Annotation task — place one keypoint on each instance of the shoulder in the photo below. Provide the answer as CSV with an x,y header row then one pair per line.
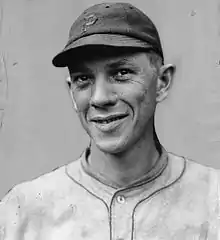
x,y
42,194
41,198
56,181
192,166
45,182
196,176
34,187
40,189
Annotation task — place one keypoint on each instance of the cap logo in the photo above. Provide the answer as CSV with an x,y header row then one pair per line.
x,y
89,20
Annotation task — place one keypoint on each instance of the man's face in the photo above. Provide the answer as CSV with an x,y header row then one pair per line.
x,y
115,96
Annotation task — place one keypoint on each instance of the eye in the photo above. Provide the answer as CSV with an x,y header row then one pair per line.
x,y
123,74
81,80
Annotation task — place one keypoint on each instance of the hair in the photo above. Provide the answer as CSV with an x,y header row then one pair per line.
x,y
155,59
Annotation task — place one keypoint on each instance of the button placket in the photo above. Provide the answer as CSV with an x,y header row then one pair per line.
x,y
120,220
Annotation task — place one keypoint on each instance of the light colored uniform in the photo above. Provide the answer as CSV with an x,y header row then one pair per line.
x,y
178,199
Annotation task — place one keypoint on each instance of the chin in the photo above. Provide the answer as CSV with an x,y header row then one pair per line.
x,y
112,146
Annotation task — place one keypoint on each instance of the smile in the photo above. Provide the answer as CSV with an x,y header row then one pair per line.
x,y
110,123
108,119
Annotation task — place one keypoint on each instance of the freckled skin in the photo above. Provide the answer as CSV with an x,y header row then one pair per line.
x,y
135,96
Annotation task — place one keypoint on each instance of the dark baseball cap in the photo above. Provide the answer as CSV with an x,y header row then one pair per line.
x,y
110,24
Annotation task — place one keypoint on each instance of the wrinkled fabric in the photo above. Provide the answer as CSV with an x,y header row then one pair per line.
x,y
179,201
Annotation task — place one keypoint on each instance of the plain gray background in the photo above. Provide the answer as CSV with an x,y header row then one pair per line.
x,y
40,130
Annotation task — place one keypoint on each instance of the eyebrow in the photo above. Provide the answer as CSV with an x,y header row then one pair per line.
x,y
112,65
79,68
119,63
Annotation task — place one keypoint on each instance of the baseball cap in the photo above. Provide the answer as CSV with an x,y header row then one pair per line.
x,y
110,24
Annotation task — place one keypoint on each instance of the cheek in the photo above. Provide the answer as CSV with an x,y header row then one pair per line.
x,y
82,99
147,91
139,94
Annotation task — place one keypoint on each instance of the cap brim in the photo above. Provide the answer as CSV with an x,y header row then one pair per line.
x,y
115,40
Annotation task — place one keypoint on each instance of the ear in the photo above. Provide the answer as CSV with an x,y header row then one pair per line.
x,y
69,84
164,81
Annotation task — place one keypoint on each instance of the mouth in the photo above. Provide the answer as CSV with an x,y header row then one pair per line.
x,y
109,119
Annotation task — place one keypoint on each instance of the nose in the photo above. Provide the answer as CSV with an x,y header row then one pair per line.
x,y
103,94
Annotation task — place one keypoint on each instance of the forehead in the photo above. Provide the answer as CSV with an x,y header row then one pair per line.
x,y
106,57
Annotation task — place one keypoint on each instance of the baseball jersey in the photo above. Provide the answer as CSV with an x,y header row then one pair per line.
x,y
178,199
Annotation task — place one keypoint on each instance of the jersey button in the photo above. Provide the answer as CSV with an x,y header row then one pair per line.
x,y
121,199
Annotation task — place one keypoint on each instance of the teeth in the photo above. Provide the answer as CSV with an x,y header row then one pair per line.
x,y
106,121
109,120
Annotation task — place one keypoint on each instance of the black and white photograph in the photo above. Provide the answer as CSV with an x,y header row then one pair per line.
x,y
109,120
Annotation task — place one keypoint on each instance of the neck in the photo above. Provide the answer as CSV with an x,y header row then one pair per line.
x,y
121,170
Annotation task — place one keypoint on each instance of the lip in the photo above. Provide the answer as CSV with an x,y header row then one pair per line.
x,y
108,126
107,118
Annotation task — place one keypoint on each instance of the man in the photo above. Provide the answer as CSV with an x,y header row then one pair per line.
x,y
125,185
